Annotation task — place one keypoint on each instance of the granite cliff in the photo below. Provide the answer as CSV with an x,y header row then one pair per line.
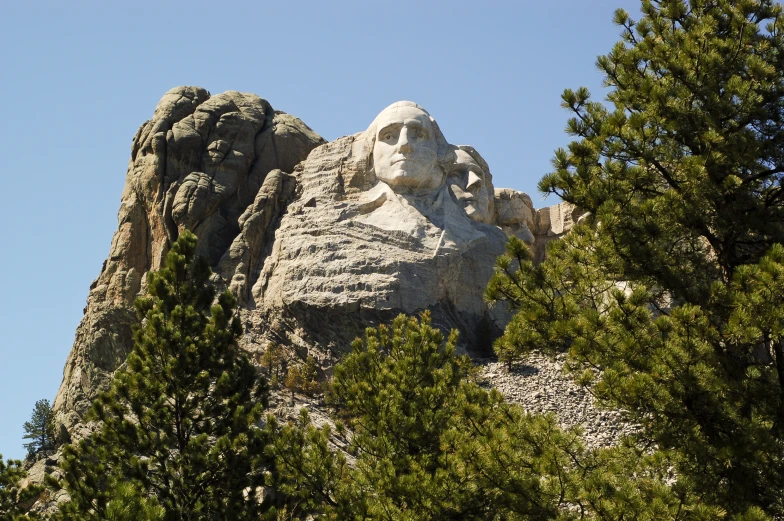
x,y
318,240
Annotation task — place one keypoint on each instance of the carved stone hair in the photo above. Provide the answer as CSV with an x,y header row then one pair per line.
x,y
446,154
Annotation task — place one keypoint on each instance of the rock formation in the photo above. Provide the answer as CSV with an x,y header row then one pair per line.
x,y
199,163
318,240
374,232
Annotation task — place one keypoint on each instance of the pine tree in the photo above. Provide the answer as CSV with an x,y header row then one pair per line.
x,y
40,429
14,499
429,443
179,420
310,377
274,361
668,297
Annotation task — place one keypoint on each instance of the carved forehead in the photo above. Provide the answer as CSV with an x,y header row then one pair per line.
x,y
398,114
464,158
477,157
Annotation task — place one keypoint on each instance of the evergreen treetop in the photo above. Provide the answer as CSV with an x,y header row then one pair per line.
x,y
668,296
40,429
179,420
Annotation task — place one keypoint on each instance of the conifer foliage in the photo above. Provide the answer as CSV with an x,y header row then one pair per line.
x,y
429,442
15,500
40,429
178,422
673,287
130,503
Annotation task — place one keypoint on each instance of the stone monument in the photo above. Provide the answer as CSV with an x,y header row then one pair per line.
x,y
377,230
318,240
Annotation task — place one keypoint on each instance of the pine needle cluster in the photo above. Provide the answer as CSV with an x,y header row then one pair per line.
x,y
16,499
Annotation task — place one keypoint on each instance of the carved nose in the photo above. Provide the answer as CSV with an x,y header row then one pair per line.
x,y
474,181
403,144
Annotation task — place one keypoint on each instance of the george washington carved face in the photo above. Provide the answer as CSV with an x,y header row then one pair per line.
x,y
405,151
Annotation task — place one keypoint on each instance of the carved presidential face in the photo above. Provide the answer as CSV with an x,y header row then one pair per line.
x,y
469,185
405,149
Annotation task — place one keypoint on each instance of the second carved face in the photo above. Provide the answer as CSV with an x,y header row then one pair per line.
x,y
405,150
468,183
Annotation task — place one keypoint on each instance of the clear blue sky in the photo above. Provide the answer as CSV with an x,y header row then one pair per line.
x,y
76,82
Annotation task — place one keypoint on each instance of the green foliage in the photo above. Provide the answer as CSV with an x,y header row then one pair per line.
x,y
540,294
129,503
669,296
274,361
308,472
303,377
40,429
15,500
429,443
178,422
627,482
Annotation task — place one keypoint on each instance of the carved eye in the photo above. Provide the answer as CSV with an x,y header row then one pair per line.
x,y
387,136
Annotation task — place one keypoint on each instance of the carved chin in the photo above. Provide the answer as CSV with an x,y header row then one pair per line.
x,y
474,214
409,178
394,173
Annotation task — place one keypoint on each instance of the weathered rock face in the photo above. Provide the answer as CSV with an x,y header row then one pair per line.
x,y
352,252
318,240
515,214
199,164
552,223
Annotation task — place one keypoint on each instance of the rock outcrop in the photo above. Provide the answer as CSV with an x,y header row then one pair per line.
x,y
516,216
552,223
199,163
351,253
318,240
